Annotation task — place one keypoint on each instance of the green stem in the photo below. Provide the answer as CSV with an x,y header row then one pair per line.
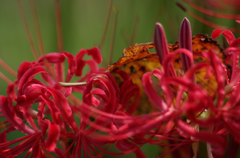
x,y
209,153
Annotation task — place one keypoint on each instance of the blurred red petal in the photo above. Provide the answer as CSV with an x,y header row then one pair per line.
x,y
53,58
5,104
53,136
211,138
66,111
227,34
30,73
152,93
71,65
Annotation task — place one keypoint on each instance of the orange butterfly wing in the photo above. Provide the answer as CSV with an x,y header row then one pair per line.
x,y
137,60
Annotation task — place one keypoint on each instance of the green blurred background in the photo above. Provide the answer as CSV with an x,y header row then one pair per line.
x,y
83,24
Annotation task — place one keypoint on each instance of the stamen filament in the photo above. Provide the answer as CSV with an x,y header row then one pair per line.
x,y
59,67
59,25
211,13
106,24
113,34
27,30
2,76
6,67
37,27
207,22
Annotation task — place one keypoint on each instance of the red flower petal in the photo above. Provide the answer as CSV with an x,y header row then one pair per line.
x,y
28,75
71,66
94,52
23,68
53,136
5,104
53,58
211,138
66,111
152,93
227,34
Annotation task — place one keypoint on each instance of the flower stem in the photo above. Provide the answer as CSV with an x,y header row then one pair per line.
x,y
209,153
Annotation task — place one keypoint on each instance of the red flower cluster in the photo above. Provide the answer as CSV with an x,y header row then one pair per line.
x,y
55,121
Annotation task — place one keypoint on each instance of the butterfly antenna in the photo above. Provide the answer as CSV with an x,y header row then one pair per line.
x,y
134,30
113,34
110,2
207,22
37,27
27,30
124,34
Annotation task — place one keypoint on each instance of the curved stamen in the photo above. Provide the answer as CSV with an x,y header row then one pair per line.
x,y
2,76
6,67
37,27
207,22
211,13
27,30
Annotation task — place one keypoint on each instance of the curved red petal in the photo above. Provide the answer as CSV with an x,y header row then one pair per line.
x,y
53,58
53,136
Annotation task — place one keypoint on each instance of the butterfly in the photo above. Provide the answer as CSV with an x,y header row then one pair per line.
x,y
138,60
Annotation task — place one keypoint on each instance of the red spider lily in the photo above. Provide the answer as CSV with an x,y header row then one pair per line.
x,y
32,91
198,100
168,120
230,109
106,114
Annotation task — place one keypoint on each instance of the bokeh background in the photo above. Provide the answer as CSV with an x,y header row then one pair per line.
x,y
83,23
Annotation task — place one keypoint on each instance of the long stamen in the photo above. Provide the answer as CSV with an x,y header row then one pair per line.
x,y
134,30
207,22
113,34
59,67
27,30
211,13
2,76
110,2
37,27
6,67
59,25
